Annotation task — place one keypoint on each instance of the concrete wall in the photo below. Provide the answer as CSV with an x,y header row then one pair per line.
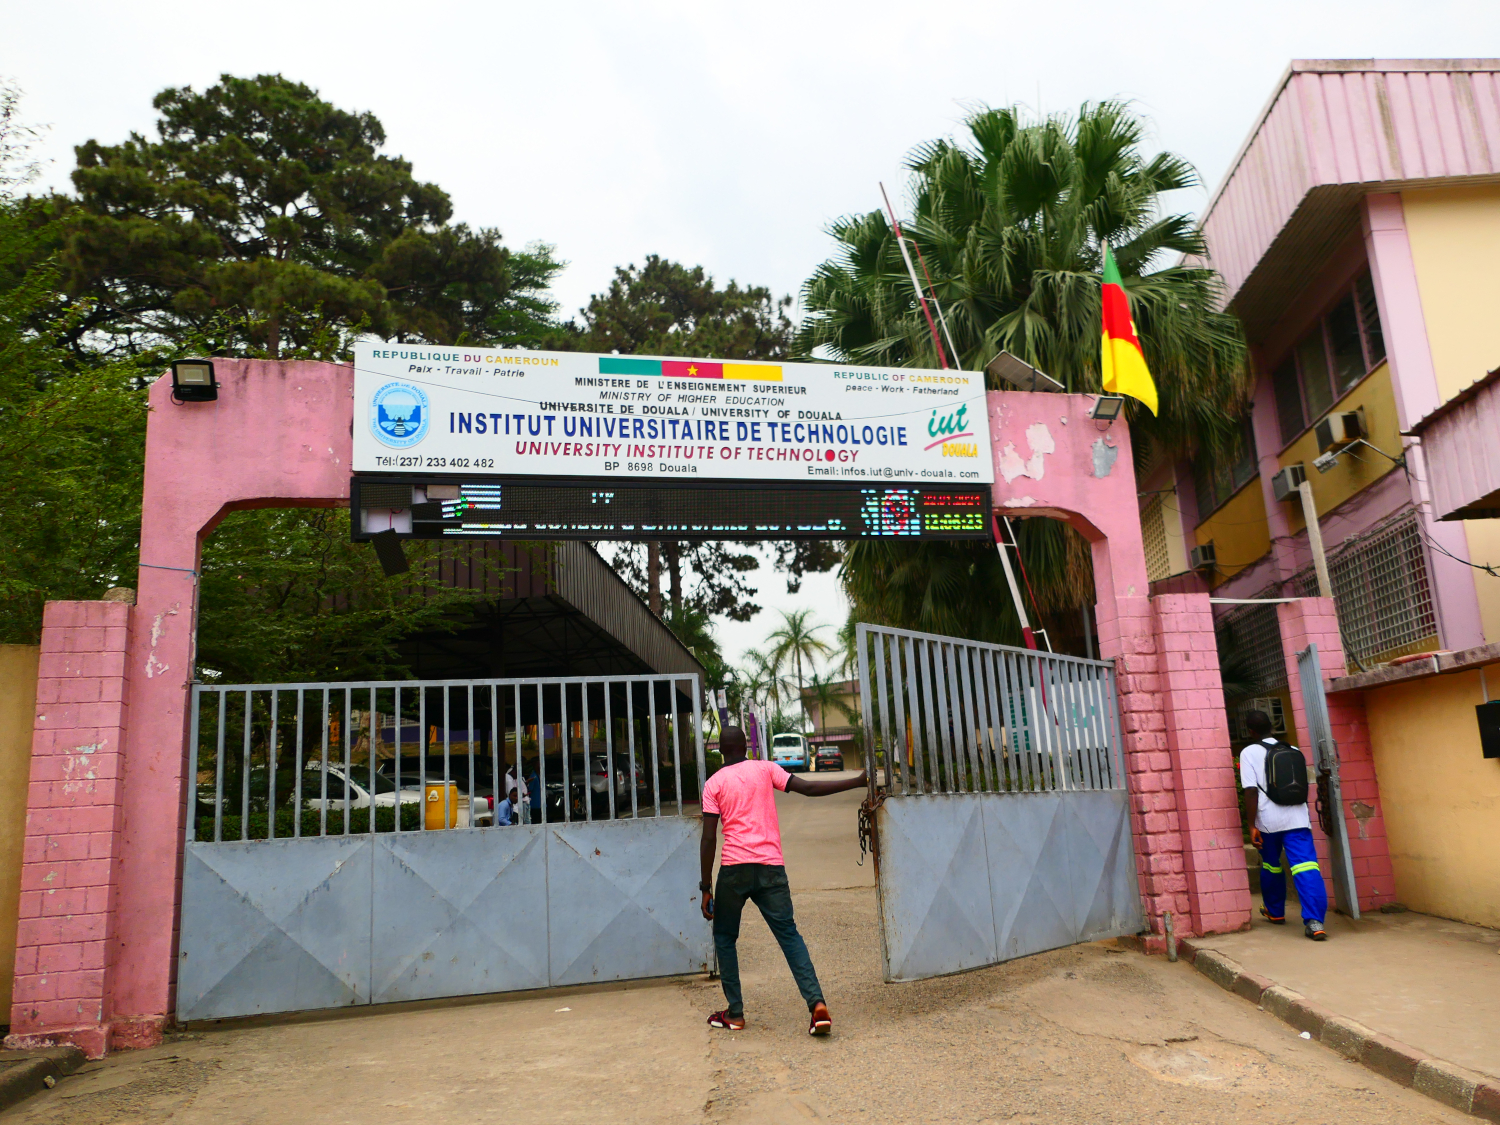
x,y
1441,796
17,712
1238,531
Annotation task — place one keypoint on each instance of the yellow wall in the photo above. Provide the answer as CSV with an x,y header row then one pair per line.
x,y
18,665
1359,468
1484,547
1455,244
1440,797
1239,531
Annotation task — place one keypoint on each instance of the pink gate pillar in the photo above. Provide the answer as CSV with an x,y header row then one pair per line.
x,y
1052,460
1308,621
279,436
66,950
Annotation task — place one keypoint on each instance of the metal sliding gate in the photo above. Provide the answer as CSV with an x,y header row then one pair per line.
x,y
341,849
1330,795
1004,828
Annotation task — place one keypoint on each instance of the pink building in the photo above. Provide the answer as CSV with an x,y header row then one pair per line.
x,y
1357,232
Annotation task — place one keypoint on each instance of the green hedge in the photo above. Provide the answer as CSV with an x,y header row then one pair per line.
x,y
359,822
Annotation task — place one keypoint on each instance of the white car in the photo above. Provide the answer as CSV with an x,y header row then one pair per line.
x,y
385,795
789,751
358,789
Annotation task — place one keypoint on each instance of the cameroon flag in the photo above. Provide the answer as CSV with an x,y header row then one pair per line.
x,y
1122,364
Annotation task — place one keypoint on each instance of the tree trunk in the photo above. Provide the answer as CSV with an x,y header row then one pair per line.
x,y
673,552
273,338
653,576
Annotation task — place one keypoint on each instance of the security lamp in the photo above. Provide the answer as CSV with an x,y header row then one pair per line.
x,y
1107,408
1326,461
193,381
1020,374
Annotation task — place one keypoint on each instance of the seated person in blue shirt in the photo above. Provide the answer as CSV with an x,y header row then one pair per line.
x,y
506,813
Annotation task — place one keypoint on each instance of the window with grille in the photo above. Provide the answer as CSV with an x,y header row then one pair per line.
x,y
1381,592
1339,350
1154,533
1251,661
1216,481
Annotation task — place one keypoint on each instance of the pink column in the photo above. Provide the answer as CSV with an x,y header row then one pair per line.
x,y
1127,636
66,948
278,436
1052,459
1414,381
1312,621
1207,797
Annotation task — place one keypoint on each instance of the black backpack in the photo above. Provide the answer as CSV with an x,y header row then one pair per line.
x,y
1286,774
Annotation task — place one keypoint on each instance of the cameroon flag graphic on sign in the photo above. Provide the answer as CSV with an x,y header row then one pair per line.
x,y
1122,363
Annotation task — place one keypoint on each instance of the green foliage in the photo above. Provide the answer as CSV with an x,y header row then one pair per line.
x,y
286,595
359,822
71,446
268,221
665,308
959,589
1011,227
796,643
1010,224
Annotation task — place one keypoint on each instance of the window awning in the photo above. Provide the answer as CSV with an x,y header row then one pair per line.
x,y
1459,440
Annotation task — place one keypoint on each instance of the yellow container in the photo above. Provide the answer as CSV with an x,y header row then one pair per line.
x,y
432,816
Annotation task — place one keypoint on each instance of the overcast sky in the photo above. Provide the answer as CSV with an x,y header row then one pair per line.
x,y
722,134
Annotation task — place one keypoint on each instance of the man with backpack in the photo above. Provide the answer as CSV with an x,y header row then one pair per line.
x,y
1274,778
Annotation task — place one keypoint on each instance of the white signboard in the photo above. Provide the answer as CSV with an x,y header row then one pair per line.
x,y
573,414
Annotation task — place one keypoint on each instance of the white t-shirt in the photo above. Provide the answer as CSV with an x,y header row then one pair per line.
x,y
518,784
1269,816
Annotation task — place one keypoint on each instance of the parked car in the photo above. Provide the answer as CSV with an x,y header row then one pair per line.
x,y
357,788
828,758
789,751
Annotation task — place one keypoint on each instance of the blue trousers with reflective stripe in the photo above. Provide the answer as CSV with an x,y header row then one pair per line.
x,y
1294,849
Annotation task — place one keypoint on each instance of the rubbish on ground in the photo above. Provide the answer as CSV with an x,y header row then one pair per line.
x,y
562,1009
1307,1035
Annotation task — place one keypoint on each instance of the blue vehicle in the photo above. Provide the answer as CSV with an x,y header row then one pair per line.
x,y
789,751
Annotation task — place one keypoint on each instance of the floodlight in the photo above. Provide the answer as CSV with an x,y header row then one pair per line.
x,y
1326,461
1020,374
1107,408
193,381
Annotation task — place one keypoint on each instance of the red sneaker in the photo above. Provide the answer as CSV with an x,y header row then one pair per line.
x,y
822,1022
726,1021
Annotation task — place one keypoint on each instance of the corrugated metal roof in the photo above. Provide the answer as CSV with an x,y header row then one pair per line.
x,y
548,579
1332,131
1459,440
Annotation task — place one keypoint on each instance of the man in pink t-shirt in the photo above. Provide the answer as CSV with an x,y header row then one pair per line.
x,y
741,797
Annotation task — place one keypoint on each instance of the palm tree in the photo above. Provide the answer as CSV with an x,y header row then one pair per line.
x,y
1011,225
797,641
825,690
762,680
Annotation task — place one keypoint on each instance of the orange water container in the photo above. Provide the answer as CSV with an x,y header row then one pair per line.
x,y
432,816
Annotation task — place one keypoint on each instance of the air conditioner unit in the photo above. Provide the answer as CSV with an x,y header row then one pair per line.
x,y
1203,557
1285,483
1340,429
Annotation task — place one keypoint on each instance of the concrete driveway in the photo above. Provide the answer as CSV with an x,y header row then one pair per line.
x,y
1089,1034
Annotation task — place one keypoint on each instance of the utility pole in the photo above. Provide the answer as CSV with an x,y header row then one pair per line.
x,y
1315,539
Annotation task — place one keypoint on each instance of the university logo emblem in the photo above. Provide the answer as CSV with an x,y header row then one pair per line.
x,y
398,415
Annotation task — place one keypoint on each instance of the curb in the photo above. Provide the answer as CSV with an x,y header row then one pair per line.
x,y
23,1073
1454,1086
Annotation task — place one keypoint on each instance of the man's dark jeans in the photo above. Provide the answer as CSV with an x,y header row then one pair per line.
x,y
766,887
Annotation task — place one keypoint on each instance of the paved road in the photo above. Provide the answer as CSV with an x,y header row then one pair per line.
x,y
1079,1035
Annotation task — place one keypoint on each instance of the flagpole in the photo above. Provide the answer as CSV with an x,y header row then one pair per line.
x,y
916,285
